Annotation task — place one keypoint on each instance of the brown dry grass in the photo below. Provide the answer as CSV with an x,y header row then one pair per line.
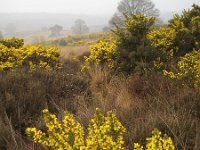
x,y
75,51
140,102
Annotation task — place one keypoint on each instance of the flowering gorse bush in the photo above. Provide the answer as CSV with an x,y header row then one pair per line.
x,y
66,136
188,69
104,132
162,41
15,55
129,50
103,53
181,36
133,48
156,142
12,42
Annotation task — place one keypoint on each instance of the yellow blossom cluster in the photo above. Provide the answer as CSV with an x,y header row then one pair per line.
x,y
103,53
189,69
163,40
12,42
15,55
104,133
156,142
66,136
139,22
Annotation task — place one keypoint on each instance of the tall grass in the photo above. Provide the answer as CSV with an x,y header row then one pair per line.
x,y
141,103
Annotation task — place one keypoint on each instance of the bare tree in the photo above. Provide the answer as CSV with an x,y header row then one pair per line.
x,y
55,30
1,36
130,7
80,27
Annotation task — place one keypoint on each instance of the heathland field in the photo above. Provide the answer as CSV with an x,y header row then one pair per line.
x,y
136,86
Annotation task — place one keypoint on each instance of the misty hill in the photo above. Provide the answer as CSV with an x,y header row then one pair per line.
x,y
37,21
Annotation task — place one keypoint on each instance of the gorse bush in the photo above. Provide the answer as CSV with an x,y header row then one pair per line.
x,y
181,36
179,43
103,53
12,42
163,42
139,47
156,142
104,133
14,55
131,49
66,136
188,69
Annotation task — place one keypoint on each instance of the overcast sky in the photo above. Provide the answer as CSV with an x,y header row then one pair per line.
x,y
84,6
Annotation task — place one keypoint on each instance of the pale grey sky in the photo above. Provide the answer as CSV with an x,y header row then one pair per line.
x,y
84,6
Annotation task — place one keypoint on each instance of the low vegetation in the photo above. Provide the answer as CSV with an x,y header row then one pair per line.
x,y
143,80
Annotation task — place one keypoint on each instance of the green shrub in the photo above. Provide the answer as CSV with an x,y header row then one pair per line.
x,y
133,50
182,34
130,51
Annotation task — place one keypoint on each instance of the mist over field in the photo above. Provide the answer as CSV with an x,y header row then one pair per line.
x,y
37,21
100,75
31,17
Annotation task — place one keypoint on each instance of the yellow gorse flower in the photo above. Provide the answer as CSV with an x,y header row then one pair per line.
x,y
14,55
103,53
104,132
156,142
188,69
66,136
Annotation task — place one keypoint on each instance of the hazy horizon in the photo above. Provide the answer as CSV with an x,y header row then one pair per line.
x,y
87,7
34,15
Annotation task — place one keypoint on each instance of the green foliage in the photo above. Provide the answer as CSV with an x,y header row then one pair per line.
x,y
139,48
188,69
182,34
187,27
133,48
131,51
104,132
13,55
156,142
12,42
